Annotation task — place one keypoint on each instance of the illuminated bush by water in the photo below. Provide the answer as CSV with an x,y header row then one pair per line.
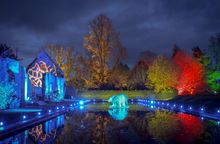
x,y
7,93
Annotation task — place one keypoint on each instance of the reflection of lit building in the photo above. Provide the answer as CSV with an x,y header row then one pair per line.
x,y
47,132
46,77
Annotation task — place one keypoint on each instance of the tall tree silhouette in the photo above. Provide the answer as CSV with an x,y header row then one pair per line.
x,y
100,43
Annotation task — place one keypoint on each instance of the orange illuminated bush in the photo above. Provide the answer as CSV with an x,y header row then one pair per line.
x,y
191,80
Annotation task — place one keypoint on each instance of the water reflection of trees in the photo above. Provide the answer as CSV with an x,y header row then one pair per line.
x,y
99,131
163,126
74,129
140,123
158,127
191,128
166,127
84,128
194,130
210,135
182,128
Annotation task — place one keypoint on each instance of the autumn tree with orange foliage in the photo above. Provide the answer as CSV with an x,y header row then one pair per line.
x,y
137,77
191,79
100,43
119,76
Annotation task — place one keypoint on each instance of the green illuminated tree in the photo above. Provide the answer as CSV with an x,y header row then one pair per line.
x,y
213,80
212,76
214,51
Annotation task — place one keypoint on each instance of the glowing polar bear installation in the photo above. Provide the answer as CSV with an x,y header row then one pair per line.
x,y
119,101
119,108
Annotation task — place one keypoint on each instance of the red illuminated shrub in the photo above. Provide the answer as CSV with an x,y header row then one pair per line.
x,y
191,80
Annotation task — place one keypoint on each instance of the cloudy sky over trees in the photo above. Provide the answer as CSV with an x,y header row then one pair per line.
x,y
143,25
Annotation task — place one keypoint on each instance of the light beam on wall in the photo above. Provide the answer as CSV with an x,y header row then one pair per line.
x,y
36,72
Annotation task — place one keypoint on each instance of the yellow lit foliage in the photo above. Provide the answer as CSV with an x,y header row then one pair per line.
x,y
83,77
99,43
69,66
65,59
119,76
58,53
162,75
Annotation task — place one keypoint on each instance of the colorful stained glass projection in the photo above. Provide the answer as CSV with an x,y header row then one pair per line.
x,y
36,72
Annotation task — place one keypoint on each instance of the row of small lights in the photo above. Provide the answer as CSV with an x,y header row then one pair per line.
x,y
24,117
202,109
155,107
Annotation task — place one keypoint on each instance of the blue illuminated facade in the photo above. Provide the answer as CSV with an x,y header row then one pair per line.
x,y
47,79
12,73
41,80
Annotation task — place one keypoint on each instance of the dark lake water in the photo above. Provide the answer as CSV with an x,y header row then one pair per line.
x,y
95,123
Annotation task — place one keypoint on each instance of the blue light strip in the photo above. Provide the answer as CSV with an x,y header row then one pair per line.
x,y
181,108
26,119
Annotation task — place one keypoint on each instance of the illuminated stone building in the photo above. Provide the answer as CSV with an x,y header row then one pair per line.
x,y
43,80
11,78
46,78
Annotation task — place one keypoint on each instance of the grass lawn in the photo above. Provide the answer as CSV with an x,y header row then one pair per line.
x,y
133,94
105,107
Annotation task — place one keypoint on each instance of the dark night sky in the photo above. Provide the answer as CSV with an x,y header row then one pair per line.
x,y
153,25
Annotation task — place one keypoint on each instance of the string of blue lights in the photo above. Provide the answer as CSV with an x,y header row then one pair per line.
x,y
24,118
199,111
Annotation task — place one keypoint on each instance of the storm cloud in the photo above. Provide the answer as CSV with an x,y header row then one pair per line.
x,y
143,25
